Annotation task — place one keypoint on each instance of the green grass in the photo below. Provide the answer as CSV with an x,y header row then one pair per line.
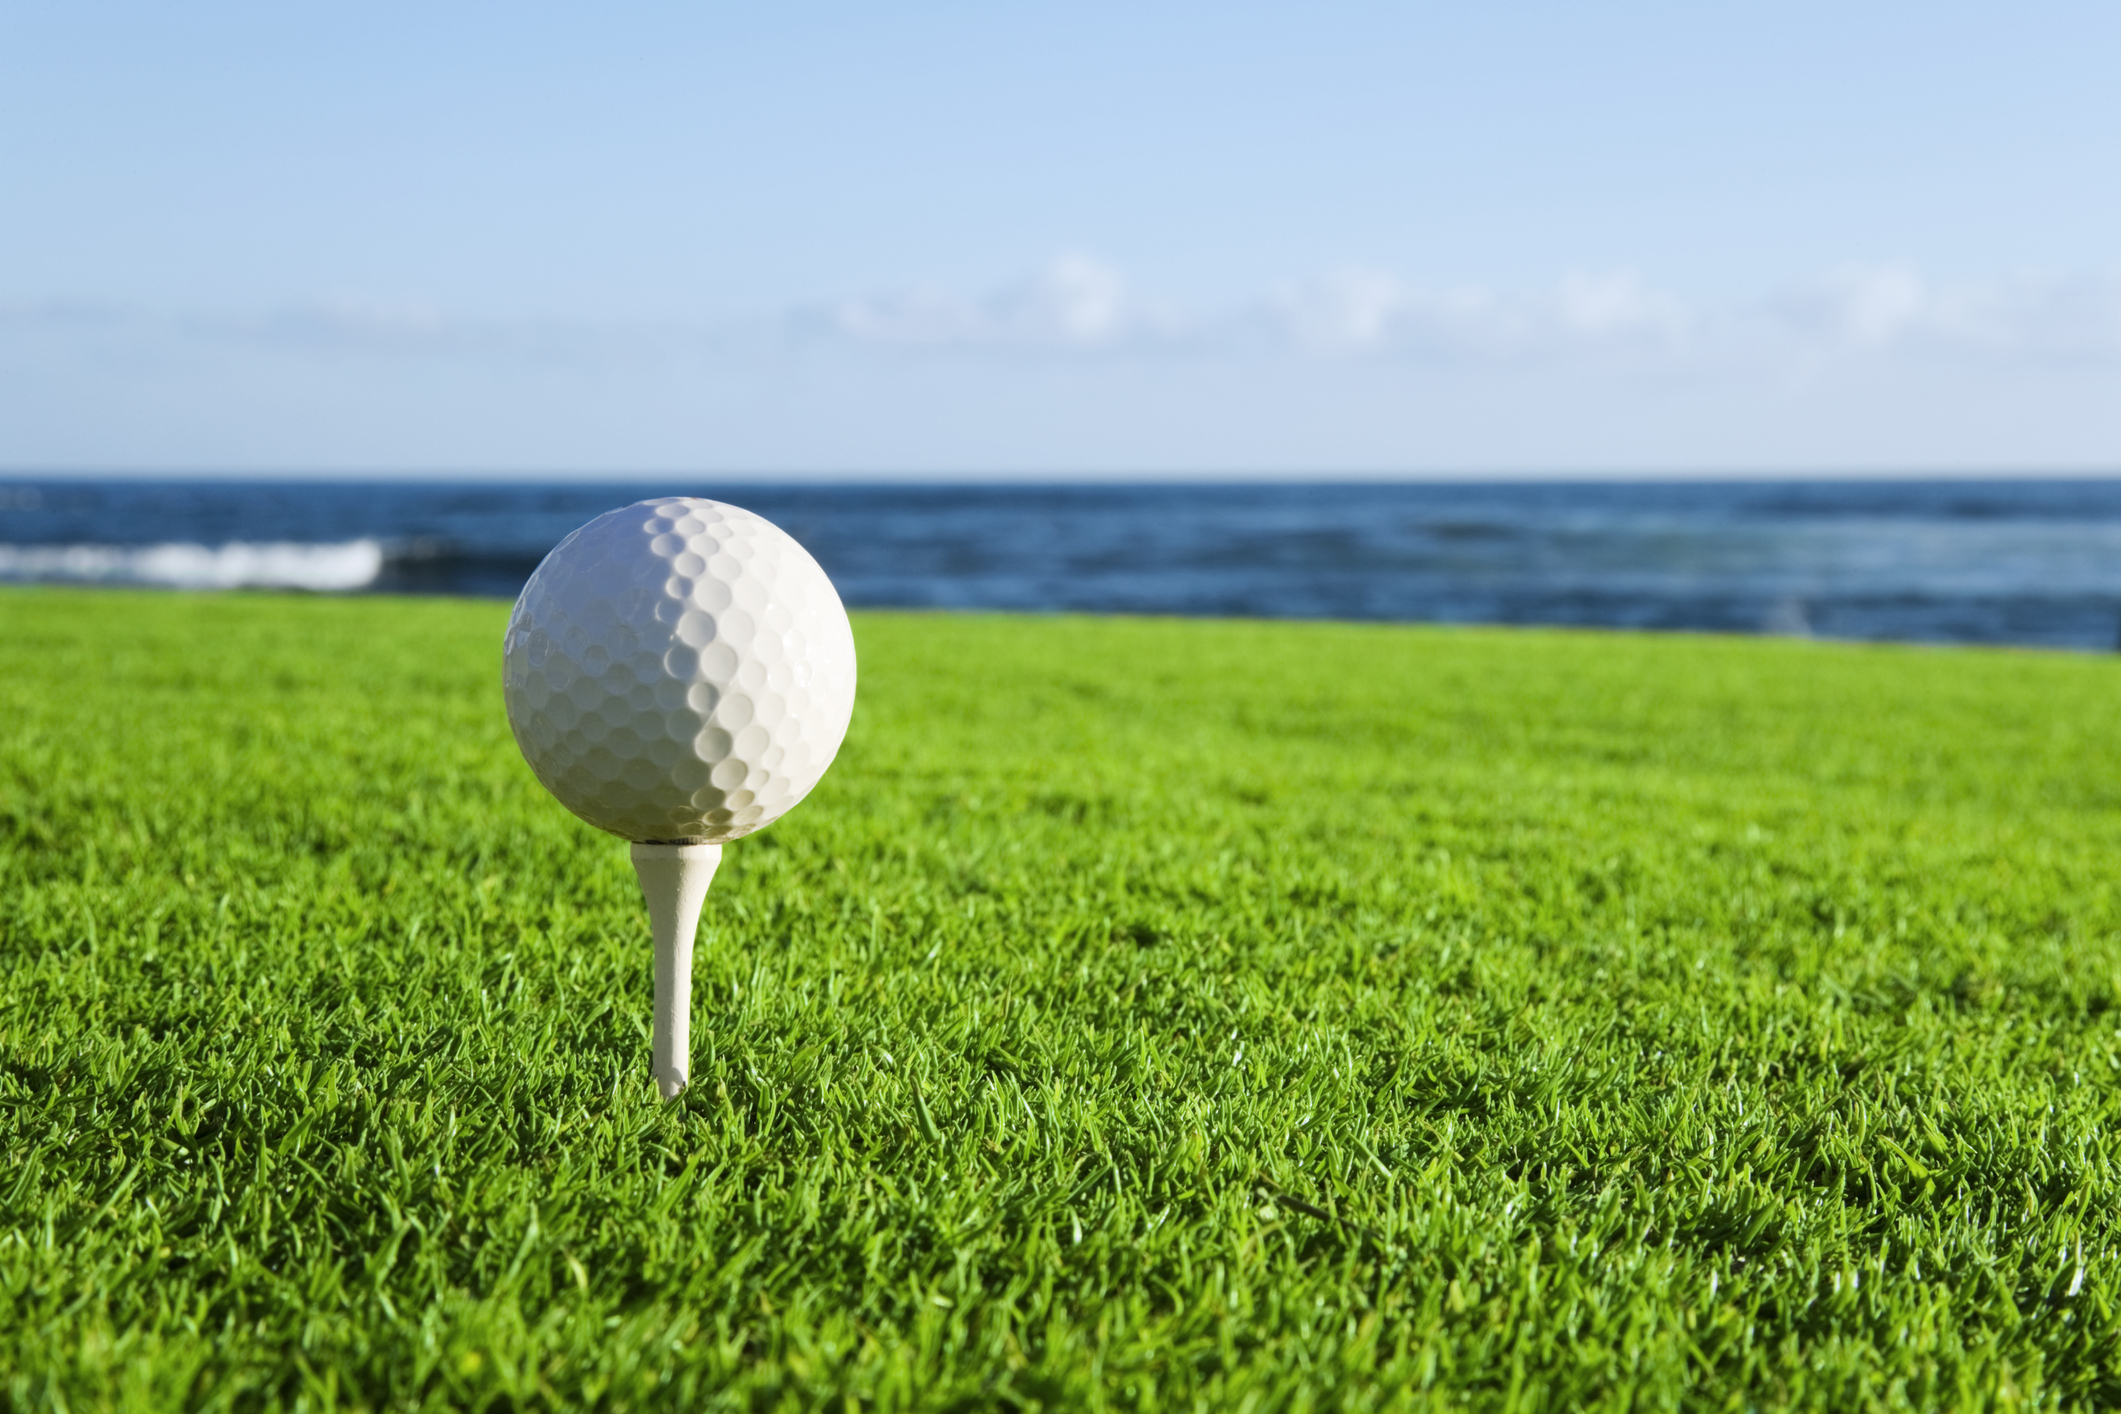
x,y
1141,1015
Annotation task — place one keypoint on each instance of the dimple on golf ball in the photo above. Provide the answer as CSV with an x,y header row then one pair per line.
x,y
679,670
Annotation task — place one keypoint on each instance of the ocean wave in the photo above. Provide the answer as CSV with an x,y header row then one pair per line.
x,y
349,565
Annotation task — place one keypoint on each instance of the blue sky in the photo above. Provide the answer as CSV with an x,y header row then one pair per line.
x,y
1028,238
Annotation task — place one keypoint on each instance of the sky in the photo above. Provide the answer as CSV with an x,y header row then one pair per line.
x,y
1042,239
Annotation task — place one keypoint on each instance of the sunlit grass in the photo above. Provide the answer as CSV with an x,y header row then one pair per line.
x,y
1142,1014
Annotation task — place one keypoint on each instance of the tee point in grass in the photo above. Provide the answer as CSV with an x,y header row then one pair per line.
x,y
678,672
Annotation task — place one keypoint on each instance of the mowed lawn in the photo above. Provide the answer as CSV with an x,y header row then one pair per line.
x,y
1142,1014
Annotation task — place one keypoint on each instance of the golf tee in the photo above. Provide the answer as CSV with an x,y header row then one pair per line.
x,y
674,880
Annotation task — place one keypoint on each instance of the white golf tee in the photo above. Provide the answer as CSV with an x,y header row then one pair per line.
x,y
674,880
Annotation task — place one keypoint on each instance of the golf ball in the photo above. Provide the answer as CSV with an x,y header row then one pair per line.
x,y
679,670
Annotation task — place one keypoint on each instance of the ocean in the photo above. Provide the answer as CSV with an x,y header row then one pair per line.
x,y
2034,562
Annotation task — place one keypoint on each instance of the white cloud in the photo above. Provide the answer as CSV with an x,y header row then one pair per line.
x,y
1073,303
1369,312
1074,300
1884,310
1896,308
1348,311
1618,304
1074,368
1080,307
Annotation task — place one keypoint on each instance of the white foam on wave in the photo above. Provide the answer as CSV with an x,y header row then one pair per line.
x,y
352,564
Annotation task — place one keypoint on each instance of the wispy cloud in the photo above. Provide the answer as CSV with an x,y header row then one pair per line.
x,y
352,328
1073,303
1895,307
1079,307
1880,366
1370,312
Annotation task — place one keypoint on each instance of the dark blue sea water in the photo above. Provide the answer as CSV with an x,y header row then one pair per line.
x,y
2027,562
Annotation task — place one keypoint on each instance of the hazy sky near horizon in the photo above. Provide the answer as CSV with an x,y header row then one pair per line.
x,y
1036,238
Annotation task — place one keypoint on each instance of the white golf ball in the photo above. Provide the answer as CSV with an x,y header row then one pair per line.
x,y
679,670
